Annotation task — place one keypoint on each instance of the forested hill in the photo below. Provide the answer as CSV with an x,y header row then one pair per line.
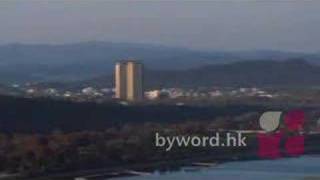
x,y
79,61
291,73
20,115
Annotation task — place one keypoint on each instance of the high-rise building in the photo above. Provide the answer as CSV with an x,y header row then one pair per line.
x,y
121,80
129,80
134,81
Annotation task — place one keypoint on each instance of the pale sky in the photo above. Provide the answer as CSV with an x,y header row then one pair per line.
x,y
207,25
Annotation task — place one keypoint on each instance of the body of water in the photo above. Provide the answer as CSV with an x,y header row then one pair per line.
x,y
301,168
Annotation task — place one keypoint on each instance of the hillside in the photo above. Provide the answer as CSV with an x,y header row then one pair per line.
x,y
67,62
293,73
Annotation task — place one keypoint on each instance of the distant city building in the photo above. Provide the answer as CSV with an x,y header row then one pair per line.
x,y
121,80
129,80
152,95
134,81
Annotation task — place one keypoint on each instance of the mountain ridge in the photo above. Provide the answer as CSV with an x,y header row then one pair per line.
x,y
79,61
291,73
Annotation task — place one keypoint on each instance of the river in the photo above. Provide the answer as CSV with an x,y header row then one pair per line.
x,y
301,168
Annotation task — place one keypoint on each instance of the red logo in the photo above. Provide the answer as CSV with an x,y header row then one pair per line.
x,y
278,133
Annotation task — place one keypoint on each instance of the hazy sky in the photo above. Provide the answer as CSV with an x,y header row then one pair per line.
x,y
213,25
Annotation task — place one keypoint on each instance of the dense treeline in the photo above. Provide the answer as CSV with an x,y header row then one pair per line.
x,y
43,136
125,146
36,154
46,116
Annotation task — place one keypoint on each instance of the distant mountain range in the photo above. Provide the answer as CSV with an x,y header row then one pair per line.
x,y
291,73
76,62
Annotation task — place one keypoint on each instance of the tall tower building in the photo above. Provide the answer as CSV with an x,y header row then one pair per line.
x,y
121,80
129,80
134,81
